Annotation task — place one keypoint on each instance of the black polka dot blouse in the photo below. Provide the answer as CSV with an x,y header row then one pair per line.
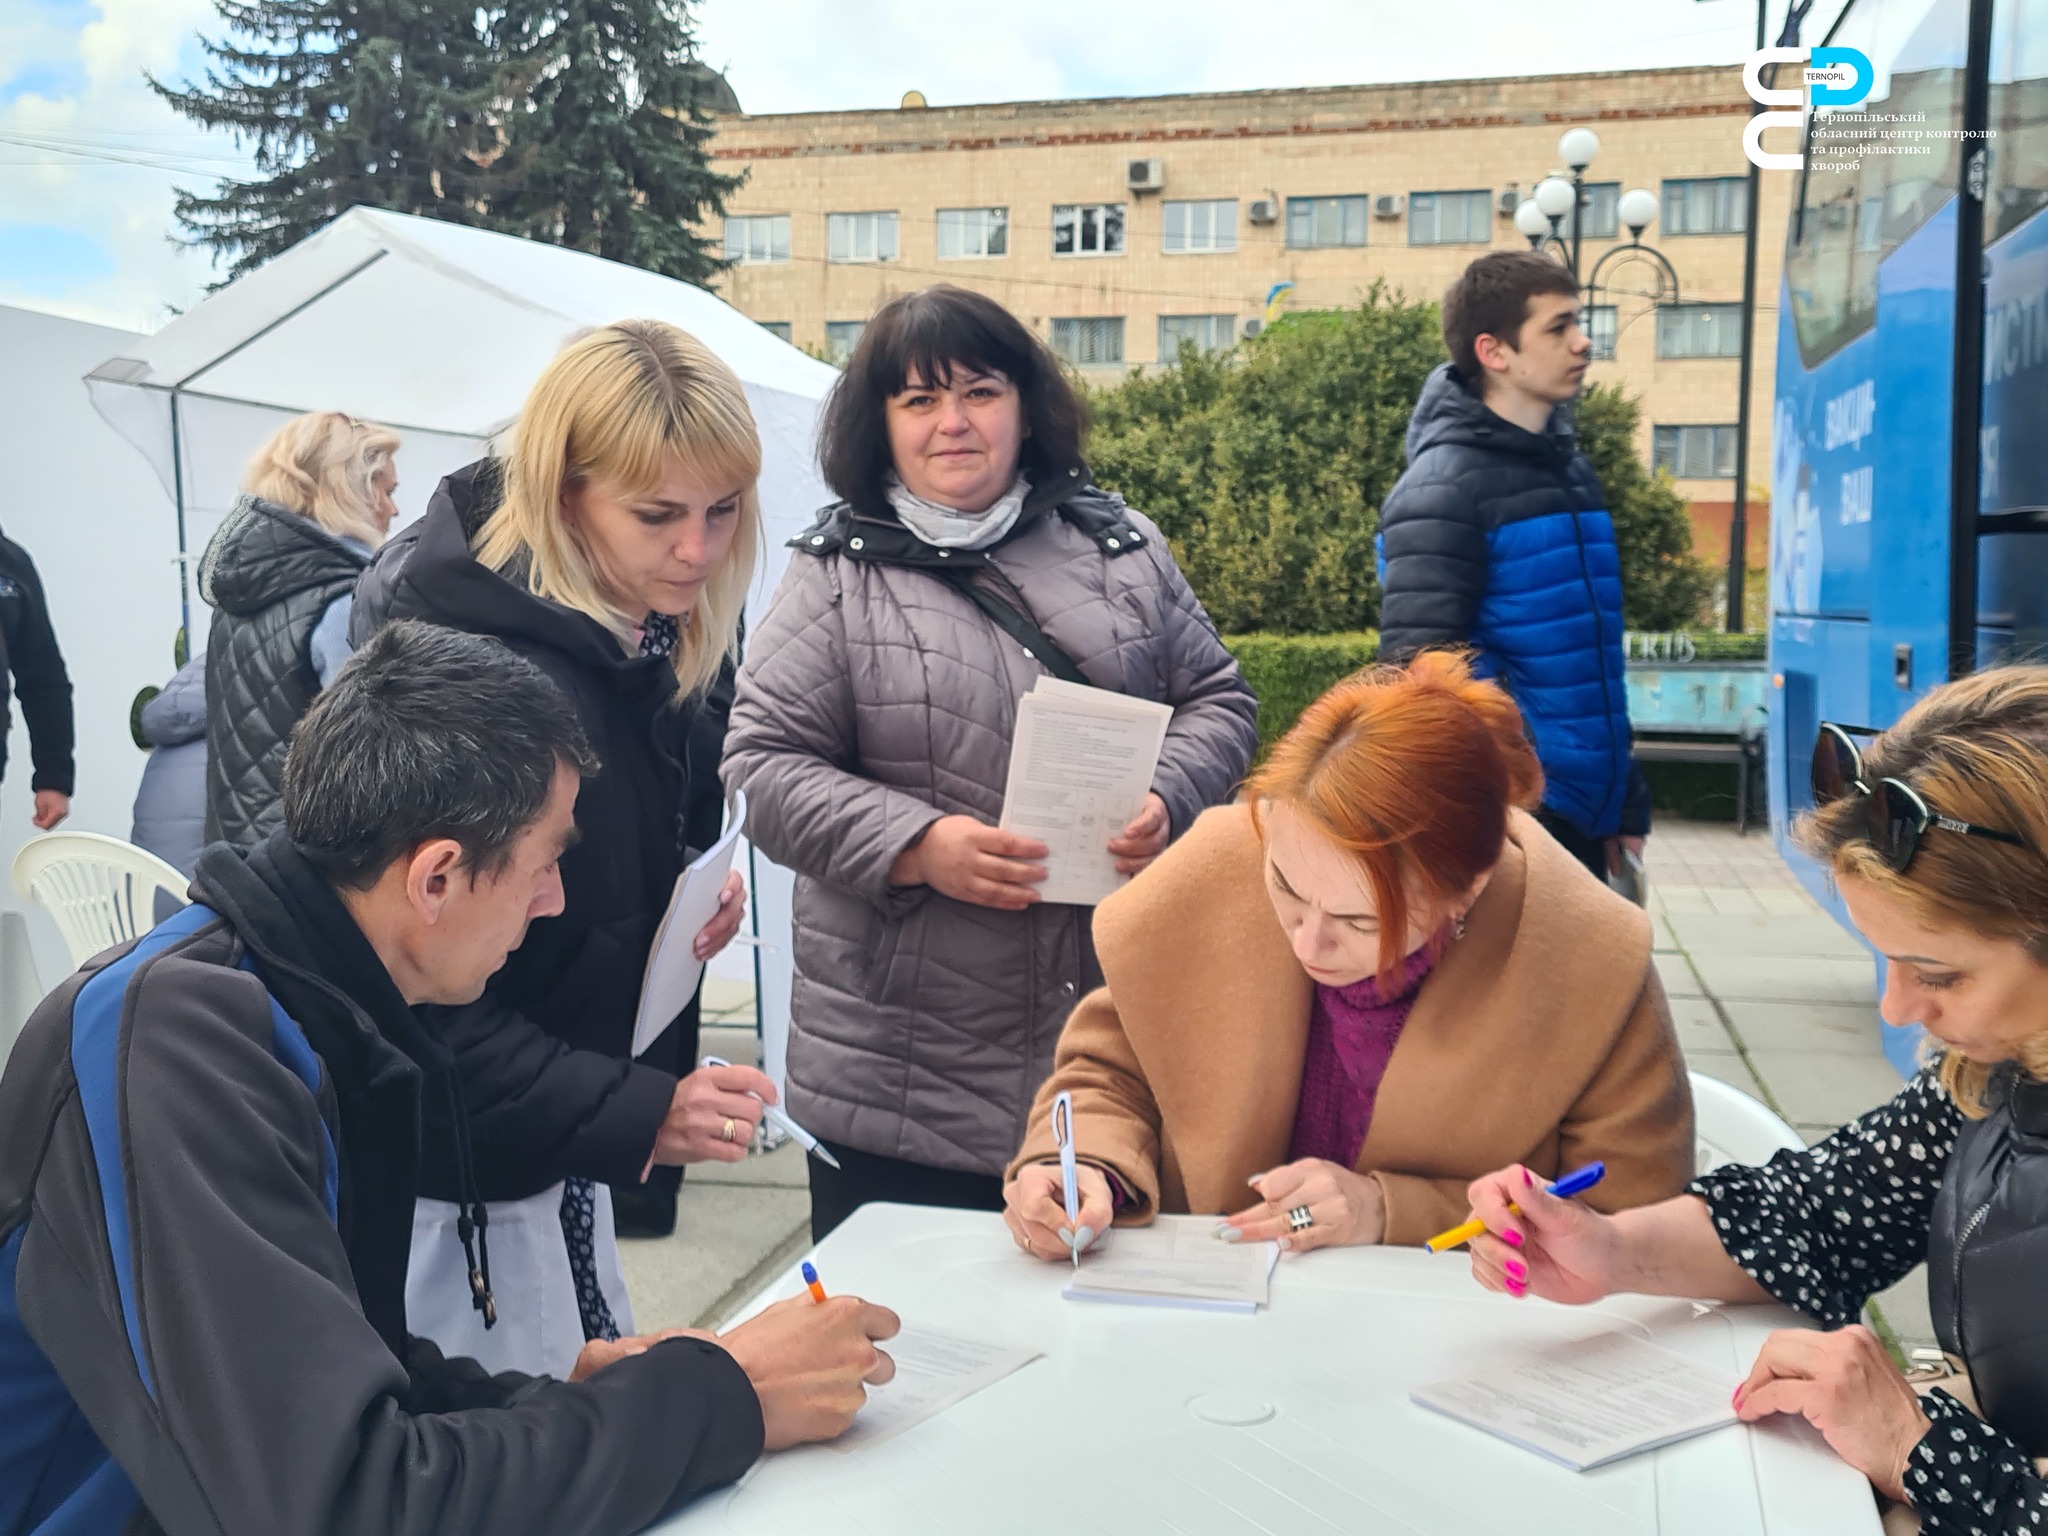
x,y
1824,1229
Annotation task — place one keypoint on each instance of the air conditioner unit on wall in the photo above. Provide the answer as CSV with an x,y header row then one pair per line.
x,y
1263,210
1388,205
1145,175
1252,327
1509,201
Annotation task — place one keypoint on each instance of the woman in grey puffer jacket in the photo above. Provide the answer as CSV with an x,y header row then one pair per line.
x,y
871,733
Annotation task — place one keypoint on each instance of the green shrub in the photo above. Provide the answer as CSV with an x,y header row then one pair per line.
x,y
1290,672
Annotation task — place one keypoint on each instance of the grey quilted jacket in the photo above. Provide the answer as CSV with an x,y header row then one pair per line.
x,y
269,574
875,699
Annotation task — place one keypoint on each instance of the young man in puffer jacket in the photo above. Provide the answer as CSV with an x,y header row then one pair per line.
x,y
1497,538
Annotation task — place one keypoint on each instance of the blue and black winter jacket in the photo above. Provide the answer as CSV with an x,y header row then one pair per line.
x,y
1499,538
208,1152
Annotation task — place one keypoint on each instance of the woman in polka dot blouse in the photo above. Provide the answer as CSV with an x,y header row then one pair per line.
x,y
1937,834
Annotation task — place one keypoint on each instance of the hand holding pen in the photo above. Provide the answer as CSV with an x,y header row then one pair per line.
x,y
1534,1241
1055,1210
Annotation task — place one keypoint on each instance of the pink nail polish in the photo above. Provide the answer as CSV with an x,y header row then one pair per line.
x,y
1516,1272
1528,1179
1517,1288
1736,1400
1512,1238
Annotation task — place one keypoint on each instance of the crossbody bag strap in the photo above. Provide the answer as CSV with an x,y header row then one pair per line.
x,y
1019,626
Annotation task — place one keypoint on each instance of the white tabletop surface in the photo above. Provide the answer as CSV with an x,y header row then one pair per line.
x,y
1099,1435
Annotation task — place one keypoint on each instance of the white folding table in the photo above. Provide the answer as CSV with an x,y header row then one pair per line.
x,y
1116,1428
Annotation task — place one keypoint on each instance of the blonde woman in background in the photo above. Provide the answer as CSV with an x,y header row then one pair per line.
x,y
611,545
315,504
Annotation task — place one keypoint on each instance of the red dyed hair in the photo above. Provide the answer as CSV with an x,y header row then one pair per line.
x,y
1412,770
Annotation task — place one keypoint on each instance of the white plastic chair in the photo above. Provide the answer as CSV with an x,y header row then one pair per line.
x,y
1731,1127
101,891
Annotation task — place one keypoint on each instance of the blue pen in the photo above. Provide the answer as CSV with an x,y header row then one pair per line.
x,y
1578,1181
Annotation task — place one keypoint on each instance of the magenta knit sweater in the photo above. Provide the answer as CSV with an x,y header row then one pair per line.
x,y
1351,1035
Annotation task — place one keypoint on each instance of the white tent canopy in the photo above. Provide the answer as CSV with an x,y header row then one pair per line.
x,y
438,331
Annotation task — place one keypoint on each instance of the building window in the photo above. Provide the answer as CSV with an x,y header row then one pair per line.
x,y
860,237
1699,330
1600,331
779,329
841,337
1205,226
1088,229
1450,218
965,232
1319,221
1091,343
1694,453
1208,333
755,239
1711,205
1602,210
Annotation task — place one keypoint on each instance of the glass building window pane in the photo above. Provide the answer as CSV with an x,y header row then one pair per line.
x,y
1450,218
973,232
1694,453
1207,333
1602,207
1710,205
1600,330
1088,229
860,237
1327,221
1699,330
1092,342
756,239
841,337
776,328
1199,226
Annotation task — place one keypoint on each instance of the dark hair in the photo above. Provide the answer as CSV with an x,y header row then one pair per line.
x,y
1491,298
928,334
426,732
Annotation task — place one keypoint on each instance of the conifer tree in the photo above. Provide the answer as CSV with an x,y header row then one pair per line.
x,y
388,103
609,137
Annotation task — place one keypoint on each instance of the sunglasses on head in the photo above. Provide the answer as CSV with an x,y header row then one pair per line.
x,y
1895,815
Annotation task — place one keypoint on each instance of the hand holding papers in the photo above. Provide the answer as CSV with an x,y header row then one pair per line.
x,y
1081,764
673,969
1177,1262
1591,1402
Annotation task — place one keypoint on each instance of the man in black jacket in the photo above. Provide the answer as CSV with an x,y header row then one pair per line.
x,y
207,1150
28,650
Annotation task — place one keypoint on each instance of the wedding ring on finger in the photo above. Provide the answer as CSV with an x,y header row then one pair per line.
x,y
727,1133
1299,1218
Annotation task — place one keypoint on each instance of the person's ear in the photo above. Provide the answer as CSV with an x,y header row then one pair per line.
x,y
1491,351
430,876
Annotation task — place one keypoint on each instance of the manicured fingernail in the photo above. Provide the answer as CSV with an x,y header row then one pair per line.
x,y
1286,1242
1084,1237
1517,1288
1517,1271
1254,1179
1528,1179
1736,1400
1066,1237
1511,1237
1229,1234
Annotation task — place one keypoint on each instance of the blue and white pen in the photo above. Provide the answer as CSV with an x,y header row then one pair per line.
x,y
782,1122
1063,1138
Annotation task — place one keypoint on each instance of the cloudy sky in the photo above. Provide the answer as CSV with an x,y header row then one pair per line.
x,y
89,158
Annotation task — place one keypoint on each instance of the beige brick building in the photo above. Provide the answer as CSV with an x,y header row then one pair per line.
x,y
1117,226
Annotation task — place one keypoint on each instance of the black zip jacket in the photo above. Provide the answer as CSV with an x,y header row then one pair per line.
x,y
28,650
543,1057
207,1142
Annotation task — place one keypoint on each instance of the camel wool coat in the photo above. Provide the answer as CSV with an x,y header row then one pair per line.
x,y
1541,1037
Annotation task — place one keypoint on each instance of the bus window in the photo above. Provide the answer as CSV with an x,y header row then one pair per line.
x,y
2019,115
1860,198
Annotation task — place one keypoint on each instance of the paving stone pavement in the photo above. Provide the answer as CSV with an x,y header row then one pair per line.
x,y
1771,994
1768,992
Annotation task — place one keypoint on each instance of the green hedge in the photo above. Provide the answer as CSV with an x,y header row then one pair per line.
x,y
1290,672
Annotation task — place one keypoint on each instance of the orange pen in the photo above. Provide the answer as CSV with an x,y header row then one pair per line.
x,y
811,1280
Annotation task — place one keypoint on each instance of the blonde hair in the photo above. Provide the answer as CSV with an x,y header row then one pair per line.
x,y
1976,750
321,466
615,404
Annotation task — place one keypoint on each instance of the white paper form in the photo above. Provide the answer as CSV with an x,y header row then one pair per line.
x,y
1178,1261
1081,764
1590,1402
673,969
934,1370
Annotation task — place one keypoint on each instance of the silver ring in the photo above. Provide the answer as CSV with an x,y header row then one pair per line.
x,y
1299,1218
726,1134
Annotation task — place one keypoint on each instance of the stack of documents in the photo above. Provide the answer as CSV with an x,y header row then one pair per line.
x,y
673,969
1178,1261
1081,765
1590,1402
934,1370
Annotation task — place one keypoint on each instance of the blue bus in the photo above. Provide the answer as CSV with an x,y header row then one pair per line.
x,y
1909,475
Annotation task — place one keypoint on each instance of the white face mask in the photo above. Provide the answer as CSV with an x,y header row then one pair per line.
x,y
945,527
